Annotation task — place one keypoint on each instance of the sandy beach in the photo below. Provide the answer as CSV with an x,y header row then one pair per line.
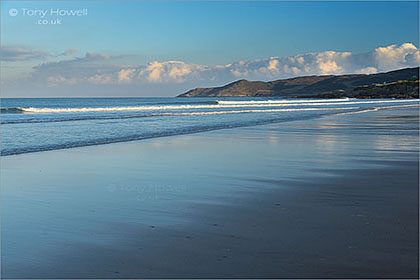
x,y
332,197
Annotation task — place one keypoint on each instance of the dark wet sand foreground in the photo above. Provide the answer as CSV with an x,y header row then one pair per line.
x,y
334,197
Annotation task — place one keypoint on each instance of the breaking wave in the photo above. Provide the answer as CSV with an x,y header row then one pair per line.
x,y
12,110
169,114
224,104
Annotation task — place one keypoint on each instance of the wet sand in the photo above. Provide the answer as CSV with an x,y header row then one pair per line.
x,y
335,197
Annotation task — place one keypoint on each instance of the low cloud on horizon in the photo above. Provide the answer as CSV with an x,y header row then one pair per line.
x,y
169,78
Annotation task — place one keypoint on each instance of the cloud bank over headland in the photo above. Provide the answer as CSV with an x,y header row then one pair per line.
x,y
96,69
90,69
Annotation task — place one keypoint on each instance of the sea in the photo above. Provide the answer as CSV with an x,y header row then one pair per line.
x,y
43,124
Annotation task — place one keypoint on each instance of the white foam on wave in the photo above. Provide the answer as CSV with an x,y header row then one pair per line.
x,y
157,114
377,109
255,111
280,101
216,106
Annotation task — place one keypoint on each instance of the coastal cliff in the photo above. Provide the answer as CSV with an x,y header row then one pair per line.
x,y
401,83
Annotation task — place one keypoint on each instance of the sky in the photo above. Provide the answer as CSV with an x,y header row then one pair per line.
x,y
164,48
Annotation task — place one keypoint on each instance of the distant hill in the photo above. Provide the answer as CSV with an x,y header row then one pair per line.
x,y
321,86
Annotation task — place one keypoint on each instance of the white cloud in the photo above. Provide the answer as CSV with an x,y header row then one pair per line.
x,y
169,71
98,69
273,65
331,62
126,75
367,70
395,56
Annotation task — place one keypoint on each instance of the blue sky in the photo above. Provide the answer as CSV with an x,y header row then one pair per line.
x,y
204,33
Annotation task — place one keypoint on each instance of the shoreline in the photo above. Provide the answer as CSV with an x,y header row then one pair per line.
x,y
307,198
115,141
